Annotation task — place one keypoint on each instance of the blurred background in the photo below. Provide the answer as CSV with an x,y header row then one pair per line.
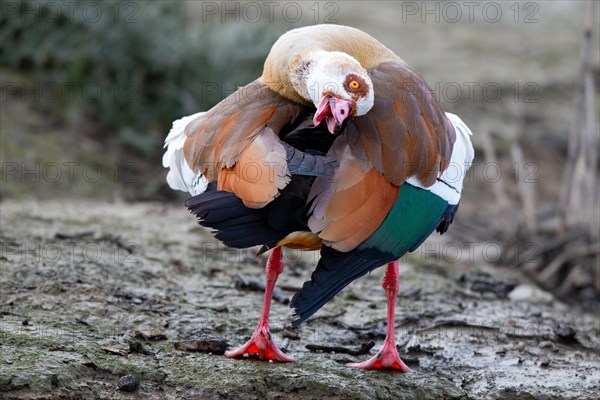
x,y
89,90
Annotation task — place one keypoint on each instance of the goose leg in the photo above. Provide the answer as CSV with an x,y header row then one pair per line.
x,y
387,357
261,343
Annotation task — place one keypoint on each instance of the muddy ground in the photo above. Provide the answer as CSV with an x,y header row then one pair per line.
x,y
92,292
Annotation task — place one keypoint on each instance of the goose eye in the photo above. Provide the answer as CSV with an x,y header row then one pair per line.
x,y
354,85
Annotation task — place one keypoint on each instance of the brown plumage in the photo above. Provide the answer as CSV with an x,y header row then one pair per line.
x,y
259,173
243,127
405,133
338,146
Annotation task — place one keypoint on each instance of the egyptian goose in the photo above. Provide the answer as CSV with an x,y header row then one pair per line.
x,y
338,146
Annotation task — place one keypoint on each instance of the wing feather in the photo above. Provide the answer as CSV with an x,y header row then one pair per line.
x,y
260,172
236,143
405,134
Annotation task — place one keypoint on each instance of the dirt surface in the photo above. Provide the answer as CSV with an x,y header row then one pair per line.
x,y
94,292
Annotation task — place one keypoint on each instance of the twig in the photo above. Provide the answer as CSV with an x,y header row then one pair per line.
x,y
333,316
590,141
290,288
364,349
557,242
2,313
490,159
560,261
456,324
575,164
525,190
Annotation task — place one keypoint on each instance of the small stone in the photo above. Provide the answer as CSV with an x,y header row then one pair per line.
x,y
205,345
129,383
486,284
115,351
530,294
137,347
565,332
150,336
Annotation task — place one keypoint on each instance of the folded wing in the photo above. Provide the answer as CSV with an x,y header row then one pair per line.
x,y
236,143
405,134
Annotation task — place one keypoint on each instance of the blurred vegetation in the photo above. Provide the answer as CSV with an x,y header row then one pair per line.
x,y
135,68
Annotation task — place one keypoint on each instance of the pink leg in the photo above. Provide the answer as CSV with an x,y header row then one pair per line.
x,y
261,343
388,357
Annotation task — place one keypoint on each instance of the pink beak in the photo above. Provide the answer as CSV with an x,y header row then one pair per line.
x,y
334,111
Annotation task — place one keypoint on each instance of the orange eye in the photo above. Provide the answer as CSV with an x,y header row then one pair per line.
x,y
354,85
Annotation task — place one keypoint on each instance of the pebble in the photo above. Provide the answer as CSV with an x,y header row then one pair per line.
x,y
530,294
565,332
212,345
129,383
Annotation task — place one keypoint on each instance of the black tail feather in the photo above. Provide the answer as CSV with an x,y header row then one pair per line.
x,y
334,272
447,219
235,224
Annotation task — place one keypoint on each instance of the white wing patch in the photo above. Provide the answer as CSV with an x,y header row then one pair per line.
x,y
449,185
181,176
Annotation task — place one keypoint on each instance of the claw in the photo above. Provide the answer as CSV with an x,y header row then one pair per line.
x,y
260,344
387,358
